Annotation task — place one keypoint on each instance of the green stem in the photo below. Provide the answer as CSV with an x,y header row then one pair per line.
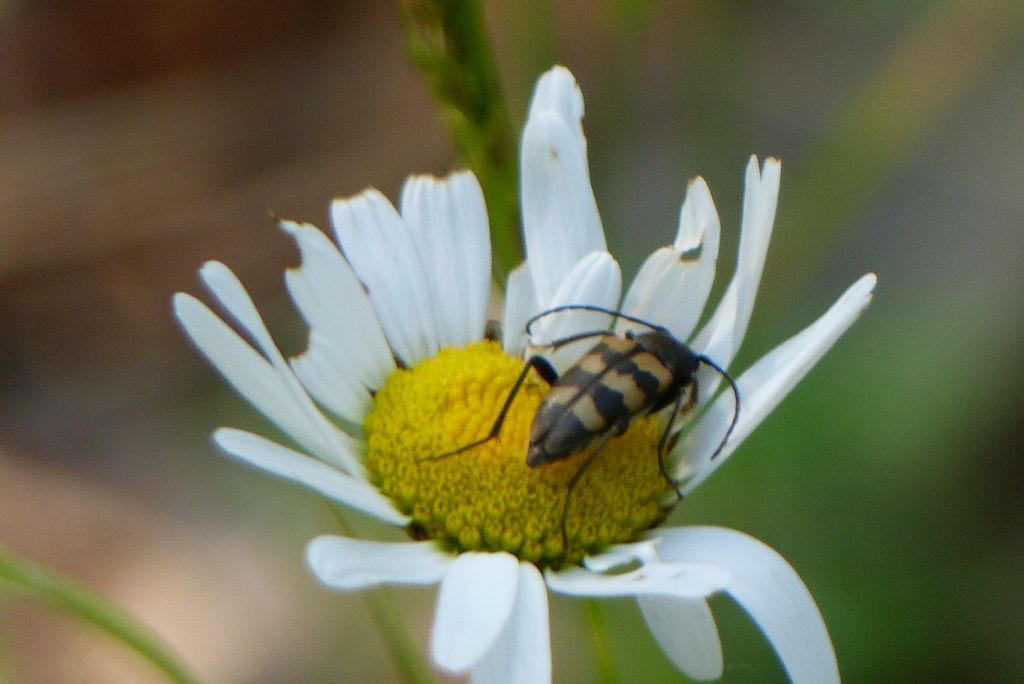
x,y
603,658
408,658
448,41
47,587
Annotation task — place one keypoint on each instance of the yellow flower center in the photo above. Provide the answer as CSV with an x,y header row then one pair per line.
x,y
487,498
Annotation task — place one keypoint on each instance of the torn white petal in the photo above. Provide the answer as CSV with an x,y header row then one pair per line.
x,y
672,285
334,304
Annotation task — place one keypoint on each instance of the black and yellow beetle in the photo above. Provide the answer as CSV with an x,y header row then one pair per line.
x,y
621,378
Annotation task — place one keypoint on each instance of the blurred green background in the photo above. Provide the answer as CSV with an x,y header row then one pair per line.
x,y
140,139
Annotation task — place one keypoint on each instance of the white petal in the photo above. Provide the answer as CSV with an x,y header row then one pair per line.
x,y
596,280
473,606
248,372
721,337
335,306
769,590
377,243
673,284
715,342
560,218
244,368
447,220
765,384
558,91
343,563
328,381
309,472
758,221
520,304
522,653
334,446
686,580
686,631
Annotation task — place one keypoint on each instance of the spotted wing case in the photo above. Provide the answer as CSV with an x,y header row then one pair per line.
x,y
610,385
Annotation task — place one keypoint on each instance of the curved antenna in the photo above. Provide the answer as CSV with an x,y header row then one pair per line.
x,y
589,307
735,392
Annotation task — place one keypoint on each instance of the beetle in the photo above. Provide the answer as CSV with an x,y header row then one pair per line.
x,y
620,378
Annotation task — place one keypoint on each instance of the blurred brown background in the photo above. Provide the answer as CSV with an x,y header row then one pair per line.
x,y
138,140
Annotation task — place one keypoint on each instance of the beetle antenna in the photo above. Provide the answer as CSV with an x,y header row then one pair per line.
x,y
735,392
589,307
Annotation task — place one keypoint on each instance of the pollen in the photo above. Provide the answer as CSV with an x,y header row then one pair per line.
x,y
486,498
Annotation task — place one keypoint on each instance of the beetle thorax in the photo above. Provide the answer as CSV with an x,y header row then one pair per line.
x,y
676,356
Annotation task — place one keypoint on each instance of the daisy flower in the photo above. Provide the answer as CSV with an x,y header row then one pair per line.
x,y
402,366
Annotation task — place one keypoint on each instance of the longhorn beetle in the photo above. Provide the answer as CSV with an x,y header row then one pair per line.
x,y
619,379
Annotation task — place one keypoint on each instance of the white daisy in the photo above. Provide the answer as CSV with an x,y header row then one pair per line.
x,y
398,370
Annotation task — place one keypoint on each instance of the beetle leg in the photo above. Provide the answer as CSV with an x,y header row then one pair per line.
x,y
678,409
613,431
544,370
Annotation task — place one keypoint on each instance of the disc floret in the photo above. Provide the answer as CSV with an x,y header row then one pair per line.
x,y
487,498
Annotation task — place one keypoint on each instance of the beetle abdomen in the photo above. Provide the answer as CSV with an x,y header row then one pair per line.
x,y
613,382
